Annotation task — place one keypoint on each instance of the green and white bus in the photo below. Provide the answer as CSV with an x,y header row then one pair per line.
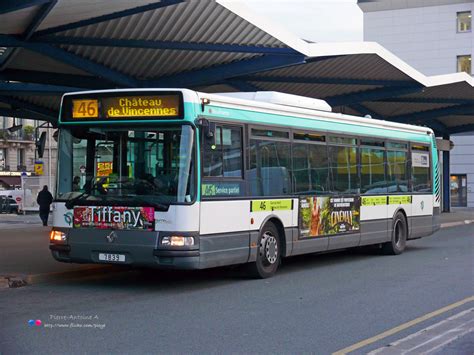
x,y
174,178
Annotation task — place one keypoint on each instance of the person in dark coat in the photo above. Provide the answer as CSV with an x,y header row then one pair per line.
x,y
44,200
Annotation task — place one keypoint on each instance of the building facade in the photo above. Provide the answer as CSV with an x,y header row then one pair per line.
x,y
18,151
435,37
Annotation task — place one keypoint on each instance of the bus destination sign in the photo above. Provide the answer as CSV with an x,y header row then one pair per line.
x,y
141,106
126,107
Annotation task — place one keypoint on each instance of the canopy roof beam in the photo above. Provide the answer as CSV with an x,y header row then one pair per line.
x,y
43,11
461,129
431,114
108,17
433,124
7,6
39,18
429,100
173,45
70,59
242,85
371,95
34,89
213,75
326,80
31,76
49,115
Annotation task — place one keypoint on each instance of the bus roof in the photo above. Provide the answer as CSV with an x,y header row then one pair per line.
x,y
242,102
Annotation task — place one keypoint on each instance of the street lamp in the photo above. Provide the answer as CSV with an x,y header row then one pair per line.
x,y
15,128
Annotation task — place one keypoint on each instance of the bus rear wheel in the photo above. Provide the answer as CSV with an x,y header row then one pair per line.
x,y
268,253
397,243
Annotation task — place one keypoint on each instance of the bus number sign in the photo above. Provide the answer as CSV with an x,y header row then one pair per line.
x,y
271,205
85,109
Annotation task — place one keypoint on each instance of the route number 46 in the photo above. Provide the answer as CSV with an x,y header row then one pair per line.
x,y
85,109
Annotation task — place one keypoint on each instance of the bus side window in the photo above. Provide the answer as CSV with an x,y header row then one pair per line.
x,y
372,171
344,175
310,168
421,172
224,159
269,168
397,171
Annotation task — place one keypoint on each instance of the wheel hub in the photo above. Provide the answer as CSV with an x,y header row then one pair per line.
x,y
269,248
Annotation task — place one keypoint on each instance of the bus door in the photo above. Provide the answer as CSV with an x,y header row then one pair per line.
x,y
373,189
343,206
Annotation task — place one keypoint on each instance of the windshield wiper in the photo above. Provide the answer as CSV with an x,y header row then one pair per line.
x,y
143,201
70,202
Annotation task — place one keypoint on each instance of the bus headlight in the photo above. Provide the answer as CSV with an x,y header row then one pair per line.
x,y
57,236
177,241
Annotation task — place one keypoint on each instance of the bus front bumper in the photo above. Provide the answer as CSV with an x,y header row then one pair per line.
x,y
145,250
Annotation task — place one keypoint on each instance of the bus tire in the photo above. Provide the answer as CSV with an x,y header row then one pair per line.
x,y
398,241
268,253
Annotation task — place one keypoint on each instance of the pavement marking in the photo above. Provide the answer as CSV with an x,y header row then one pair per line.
x,y
432,338
454,224
403,326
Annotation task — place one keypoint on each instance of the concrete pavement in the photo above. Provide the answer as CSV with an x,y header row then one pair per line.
x,y
457,216
24,247
435,272
12,221
315,304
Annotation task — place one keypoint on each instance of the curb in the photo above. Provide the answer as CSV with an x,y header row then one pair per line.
x,y
15,281
454,224
86,272
9,281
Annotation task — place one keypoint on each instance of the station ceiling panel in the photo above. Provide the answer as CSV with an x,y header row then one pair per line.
x,y
48,47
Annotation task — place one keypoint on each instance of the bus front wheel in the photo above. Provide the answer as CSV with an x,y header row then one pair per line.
x,y
268,253
397,243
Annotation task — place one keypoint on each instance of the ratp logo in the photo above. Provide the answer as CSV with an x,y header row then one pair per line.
x,y
422,205
33,322
68,218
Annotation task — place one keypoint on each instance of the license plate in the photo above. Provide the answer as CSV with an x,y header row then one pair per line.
x,y
112,257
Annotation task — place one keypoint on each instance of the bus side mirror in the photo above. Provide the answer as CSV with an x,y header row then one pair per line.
x,y
211,132
40,144
208,130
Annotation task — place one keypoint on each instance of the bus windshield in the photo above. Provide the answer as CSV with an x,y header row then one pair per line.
x,y
123,166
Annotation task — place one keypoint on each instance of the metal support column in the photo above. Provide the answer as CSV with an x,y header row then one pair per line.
x,y
446,180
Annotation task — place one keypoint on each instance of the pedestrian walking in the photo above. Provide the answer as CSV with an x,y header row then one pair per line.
x,y
44,200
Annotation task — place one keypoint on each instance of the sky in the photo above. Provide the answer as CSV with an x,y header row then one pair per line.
x,y
314,20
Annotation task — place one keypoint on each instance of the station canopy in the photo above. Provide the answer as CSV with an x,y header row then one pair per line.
x,y
49,47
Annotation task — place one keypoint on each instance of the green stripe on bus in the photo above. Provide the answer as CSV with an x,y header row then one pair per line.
x,y
399,200
270,205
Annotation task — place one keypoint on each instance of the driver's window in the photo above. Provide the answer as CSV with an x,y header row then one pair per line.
x,y
79,163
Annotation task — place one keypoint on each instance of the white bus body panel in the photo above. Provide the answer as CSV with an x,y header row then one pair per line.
x,y
182,218
235,216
